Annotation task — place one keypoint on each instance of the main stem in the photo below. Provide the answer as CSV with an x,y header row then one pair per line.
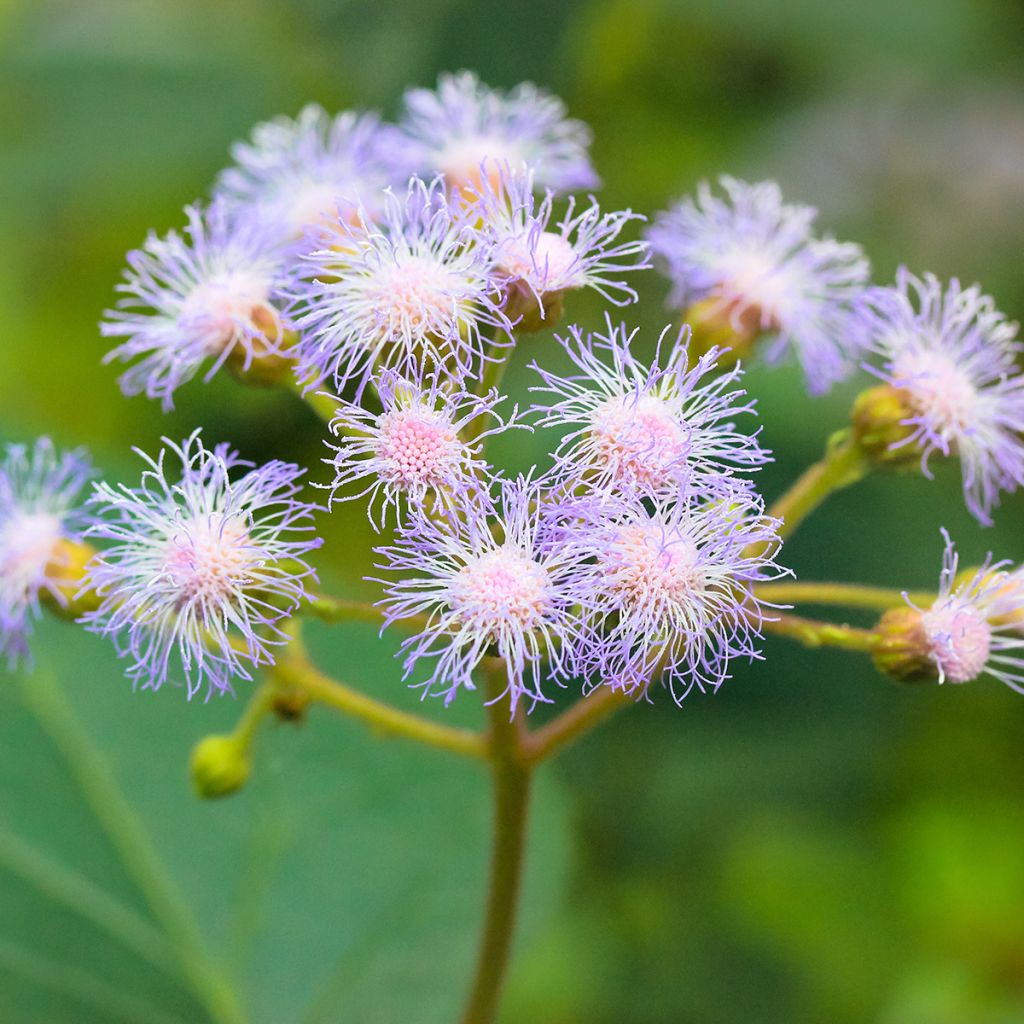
x,y
511,780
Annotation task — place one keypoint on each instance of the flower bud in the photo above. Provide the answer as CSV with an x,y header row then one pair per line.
x,y
264,363
713,324
219,766
527,313
63,593
904,653
880,427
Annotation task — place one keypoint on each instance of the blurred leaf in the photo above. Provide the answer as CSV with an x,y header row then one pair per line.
x,y
344,884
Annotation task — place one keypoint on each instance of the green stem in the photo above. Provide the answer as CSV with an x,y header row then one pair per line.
x,y
583,716
299,673
841,595
511,780
844,463
336,609
812,633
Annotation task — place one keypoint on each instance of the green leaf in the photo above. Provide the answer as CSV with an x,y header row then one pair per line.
x,y
345,883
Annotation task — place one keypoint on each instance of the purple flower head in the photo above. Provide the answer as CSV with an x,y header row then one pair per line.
x,y
295,173
953,356
646,429
205,562
414,451
485,587
669,588
410,293
204,295
756,261
974,625
580,251
464,130
39,513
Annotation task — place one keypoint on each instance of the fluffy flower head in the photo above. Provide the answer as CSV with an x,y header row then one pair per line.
x,y
646,429
953,358
204,563
755,260
466,131
186,299
39,514
409,293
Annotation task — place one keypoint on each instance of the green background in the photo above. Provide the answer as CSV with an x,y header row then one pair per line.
x,y
811,844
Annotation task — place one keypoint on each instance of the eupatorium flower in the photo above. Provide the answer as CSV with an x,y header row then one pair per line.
x,y
668,588
539,261
410,292
298,172
483,586
204,563
756,264
952,358
39,517
973,627
645,429
416,448
464,130
203,295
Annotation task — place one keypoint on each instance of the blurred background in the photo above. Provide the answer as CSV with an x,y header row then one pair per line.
x,y
813,843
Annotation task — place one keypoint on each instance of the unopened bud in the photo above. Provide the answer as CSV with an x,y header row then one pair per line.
x,y
219,766
64,595
265,361
528,313
880,417
716,324
903,652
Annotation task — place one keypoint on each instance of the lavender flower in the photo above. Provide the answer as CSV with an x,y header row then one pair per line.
x,y
668,588
39,516
484,589
207,565
952,357
465,131
410,293
755,264
416,447
539,265
974,624
298,172
640,429
204,295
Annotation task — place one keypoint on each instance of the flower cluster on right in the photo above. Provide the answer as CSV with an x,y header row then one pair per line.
x,y
390,272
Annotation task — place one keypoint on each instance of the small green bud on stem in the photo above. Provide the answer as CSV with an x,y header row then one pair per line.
x,y
879,417
220,765
902,652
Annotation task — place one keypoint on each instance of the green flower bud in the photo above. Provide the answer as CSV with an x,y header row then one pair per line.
x,y
219,766
879,418
903,653
712,324
65,571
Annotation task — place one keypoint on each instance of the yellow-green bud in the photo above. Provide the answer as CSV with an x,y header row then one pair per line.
x,y
529,315
879,418
903,653
262,365
65,571
713,324
219,766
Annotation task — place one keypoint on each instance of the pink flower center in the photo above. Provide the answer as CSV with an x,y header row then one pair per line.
x,y
417,295
938,388
551,266
639,439
501,588
650,566
418,447
228,306
960,639
28,542
209,558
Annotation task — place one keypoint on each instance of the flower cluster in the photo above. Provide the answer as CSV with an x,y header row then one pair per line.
x,y
395,267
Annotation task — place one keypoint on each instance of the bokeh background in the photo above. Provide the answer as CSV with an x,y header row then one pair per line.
x,y
813,843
